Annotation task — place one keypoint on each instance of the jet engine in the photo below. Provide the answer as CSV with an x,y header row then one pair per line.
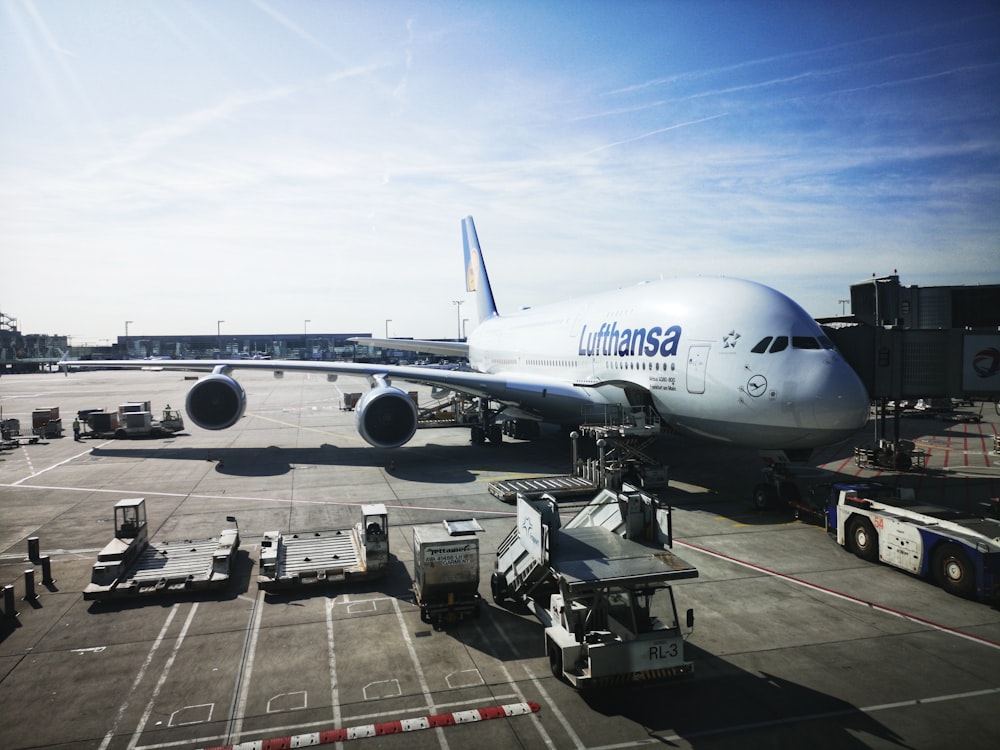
x,y
216,402
387,417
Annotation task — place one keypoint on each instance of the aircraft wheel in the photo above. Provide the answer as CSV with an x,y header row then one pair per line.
x,y
763,496
864,540
953,571
495,434
478,435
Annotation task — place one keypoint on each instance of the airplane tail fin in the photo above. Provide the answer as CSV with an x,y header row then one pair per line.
x,y
476,279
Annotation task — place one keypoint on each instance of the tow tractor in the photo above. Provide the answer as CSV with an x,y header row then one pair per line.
x,y
591,584
958,551
131,420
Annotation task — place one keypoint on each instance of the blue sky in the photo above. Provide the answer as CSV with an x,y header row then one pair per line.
x,y
267,163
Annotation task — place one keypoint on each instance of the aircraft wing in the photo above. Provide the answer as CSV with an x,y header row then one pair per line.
x,y
458,349
539,396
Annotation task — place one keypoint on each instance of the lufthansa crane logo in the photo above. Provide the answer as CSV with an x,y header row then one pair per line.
x,y
757,385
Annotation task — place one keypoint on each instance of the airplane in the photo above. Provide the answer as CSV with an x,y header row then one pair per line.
x,y
719,358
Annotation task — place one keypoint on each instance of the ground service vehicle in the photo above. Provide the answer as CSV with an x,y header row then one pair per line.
x,y
958,551
591,585
446,570
132,420
46,422
131,566
295,560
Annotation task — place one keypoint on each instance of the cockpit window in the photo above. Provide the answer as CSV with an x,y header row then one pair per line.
x,y
780,343
804,342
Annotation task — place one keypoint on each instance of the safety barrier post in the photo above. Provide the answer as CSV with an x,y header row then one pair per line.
x,y
33,548
9,607
29,585
47,579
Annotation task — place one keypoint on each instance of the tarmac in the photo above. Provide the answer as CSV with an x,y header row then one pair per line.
x,y
796,642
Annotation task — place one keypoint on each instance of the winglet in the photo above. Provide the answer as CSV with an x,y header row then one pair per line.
x,y
476,279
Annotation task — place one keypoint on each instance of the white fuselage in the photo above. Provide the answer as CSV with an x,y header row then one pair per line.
x,y
698,347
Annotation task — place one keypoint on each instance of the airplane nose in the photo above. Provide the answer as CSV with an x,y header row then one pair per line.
x,y
841,401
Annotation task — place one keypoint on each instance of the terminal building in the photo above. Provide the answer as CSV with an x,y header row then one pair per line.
x,y
20,352
32,352
318,346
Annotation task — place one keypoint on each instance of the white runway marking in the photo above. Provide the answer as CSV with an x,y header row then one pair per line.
x,y
138,678
163,678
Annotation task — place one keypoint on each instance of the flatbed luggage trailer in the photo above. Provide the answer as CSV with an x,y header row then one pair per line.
x,y
130,565
958,551
591,585
295,560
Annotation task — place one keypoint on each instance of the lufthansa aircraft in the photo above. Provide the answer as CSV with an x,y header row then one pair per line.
x,y
718,358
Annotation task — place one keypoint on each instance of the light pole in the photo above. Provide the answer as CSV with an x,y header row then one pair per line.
x,y
218,334
305,333
464,334
458,310
387,322
842,303
126,338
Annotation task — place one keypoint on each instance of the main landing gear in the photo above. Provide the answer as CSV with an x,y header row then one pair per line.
x,y
487,427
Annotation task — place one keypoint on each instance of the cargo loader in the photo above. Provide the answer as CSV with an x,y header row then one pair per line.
x,y
297,560
446,571
591,584
132,566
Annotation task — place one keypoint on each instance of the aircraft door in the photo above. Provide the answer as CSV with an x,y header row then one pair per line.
x,y
697,361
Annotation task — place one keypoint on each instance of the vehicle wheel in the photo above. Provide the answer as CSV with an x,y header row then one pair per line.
x,y
555,659
121,434
953,571
763,496
863,539
498,587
